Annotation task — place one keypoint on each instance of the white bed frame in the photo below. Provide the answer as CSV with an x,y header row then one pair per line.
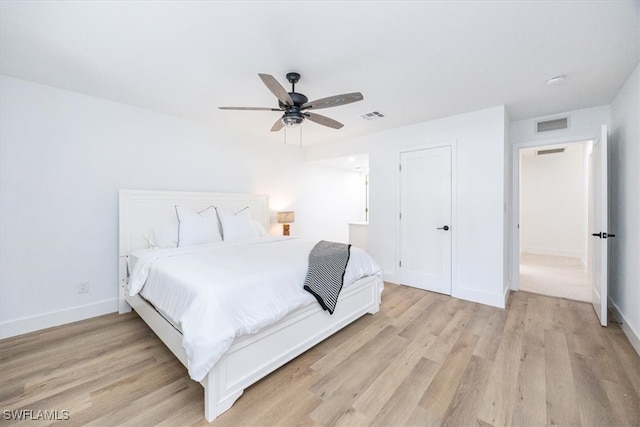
x,y
252,357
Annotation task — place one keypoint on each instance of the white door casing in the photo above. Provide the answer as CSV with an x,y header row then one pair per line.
x,y
599,226
425,219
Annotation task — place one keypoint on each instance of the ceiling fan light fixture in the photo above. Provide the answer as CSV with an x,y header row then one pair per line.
x,y
292,119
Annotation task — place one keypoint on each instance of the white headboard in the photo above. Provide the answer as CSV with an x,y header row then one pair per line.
x,y
141,211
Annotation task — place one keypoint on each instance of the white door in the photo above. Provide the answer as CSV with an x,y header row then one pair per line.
x,y
598,226
425,219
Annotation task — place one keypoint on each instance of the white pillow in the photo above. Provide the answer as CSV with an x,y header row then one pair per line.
x,y
259,228
197,228
237,226
164,236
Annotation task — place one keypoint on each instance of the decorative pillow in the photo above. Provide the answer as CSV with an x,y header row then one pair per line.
x,y
237,226
197,228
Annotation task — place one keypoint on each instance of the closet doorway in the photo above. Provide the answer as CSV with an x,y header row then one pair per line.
x,y
554,255
425,219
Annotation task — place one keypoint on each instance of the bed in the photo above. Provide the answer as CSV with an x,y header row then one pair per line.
x,y
249,356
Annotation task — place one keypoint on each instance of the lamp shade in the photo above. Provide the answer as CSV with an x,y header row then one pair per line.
x,y
286,217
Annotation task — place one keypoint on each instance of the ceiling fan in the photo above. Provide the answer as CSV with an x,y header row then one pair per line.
x,y
295,105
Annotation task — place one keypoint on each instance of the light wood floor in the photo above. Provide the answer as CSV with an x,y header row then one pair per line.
x,y
554,276
425,359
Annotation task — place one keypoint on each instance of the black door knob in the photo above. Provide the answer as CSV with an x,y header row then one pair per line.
x,y
445,228
603,235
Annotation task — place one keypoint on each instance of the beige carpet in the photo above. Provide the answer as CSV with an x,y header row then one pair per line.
x,y
554,276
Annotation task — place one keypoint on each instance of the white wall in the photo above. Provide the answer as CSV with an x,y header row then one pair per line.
x,y
507,211
583,125
64,156
553,215
478,224
624,207
330,196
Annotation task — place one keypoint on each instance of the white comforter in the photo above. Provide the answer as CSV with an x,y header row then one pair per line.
x,y
217,292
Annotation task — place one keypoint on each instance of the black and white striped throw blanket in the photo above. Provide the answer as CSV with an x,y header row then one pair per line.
x,y
325,277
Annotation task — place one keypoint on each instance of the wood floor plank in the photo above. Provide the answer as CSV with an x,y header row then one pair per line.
x,y
530,407
353,418
491,336
625,403
593,403
154,402
624,355
424,359
399,407
561,404
371,401
397,300
423,306
441,347
499,400
439,395
465,404
360,343
39,387
348,380
433,320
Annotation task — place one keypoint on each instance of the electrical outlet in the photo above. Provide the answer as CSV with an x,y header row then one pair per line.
x,y
83,286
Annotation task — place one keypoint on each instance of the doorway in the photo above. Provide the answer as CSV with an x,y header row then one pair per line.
x,y
553,220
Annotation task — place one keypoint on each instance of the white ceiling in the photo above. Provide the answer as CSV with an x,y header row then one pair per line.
x,y
413,61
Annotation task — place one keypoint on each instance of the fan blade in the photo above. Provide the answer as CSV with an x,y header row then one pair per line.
x,y
333,101
276,88
323,120
250,108
277,125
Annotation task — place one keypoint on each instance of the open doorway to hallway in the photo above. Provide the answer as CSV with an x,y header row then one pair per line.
x,y
553,221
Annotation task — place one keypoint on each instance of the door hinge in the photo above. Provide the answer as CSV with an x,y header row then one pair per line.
x,y
400,215
400,263
400,167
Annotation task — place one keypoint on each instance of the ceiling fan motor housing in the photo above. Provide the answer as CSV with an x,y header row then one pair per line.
x,y
298,100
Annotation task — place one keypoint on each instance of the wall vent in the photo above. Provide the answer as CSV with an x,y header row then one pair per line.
x,y
550,151
551,125
374,115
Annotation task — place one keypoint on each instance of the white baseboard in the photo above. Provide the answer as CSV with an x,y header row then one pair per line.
x,y
390,277
632,335
495,300
25,325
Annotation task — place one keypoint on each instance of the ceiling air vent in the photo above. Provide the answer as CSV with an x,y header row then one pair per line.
x,y
550,151
550,125
374,115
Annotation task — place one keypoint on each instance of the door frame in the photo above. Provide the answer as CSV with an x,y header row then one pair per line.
x,y
452,143
600,223
515,195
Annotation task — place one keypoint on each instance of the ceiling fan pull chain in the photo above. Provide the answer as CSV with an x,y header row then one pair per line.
x,y
285,135
300,136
